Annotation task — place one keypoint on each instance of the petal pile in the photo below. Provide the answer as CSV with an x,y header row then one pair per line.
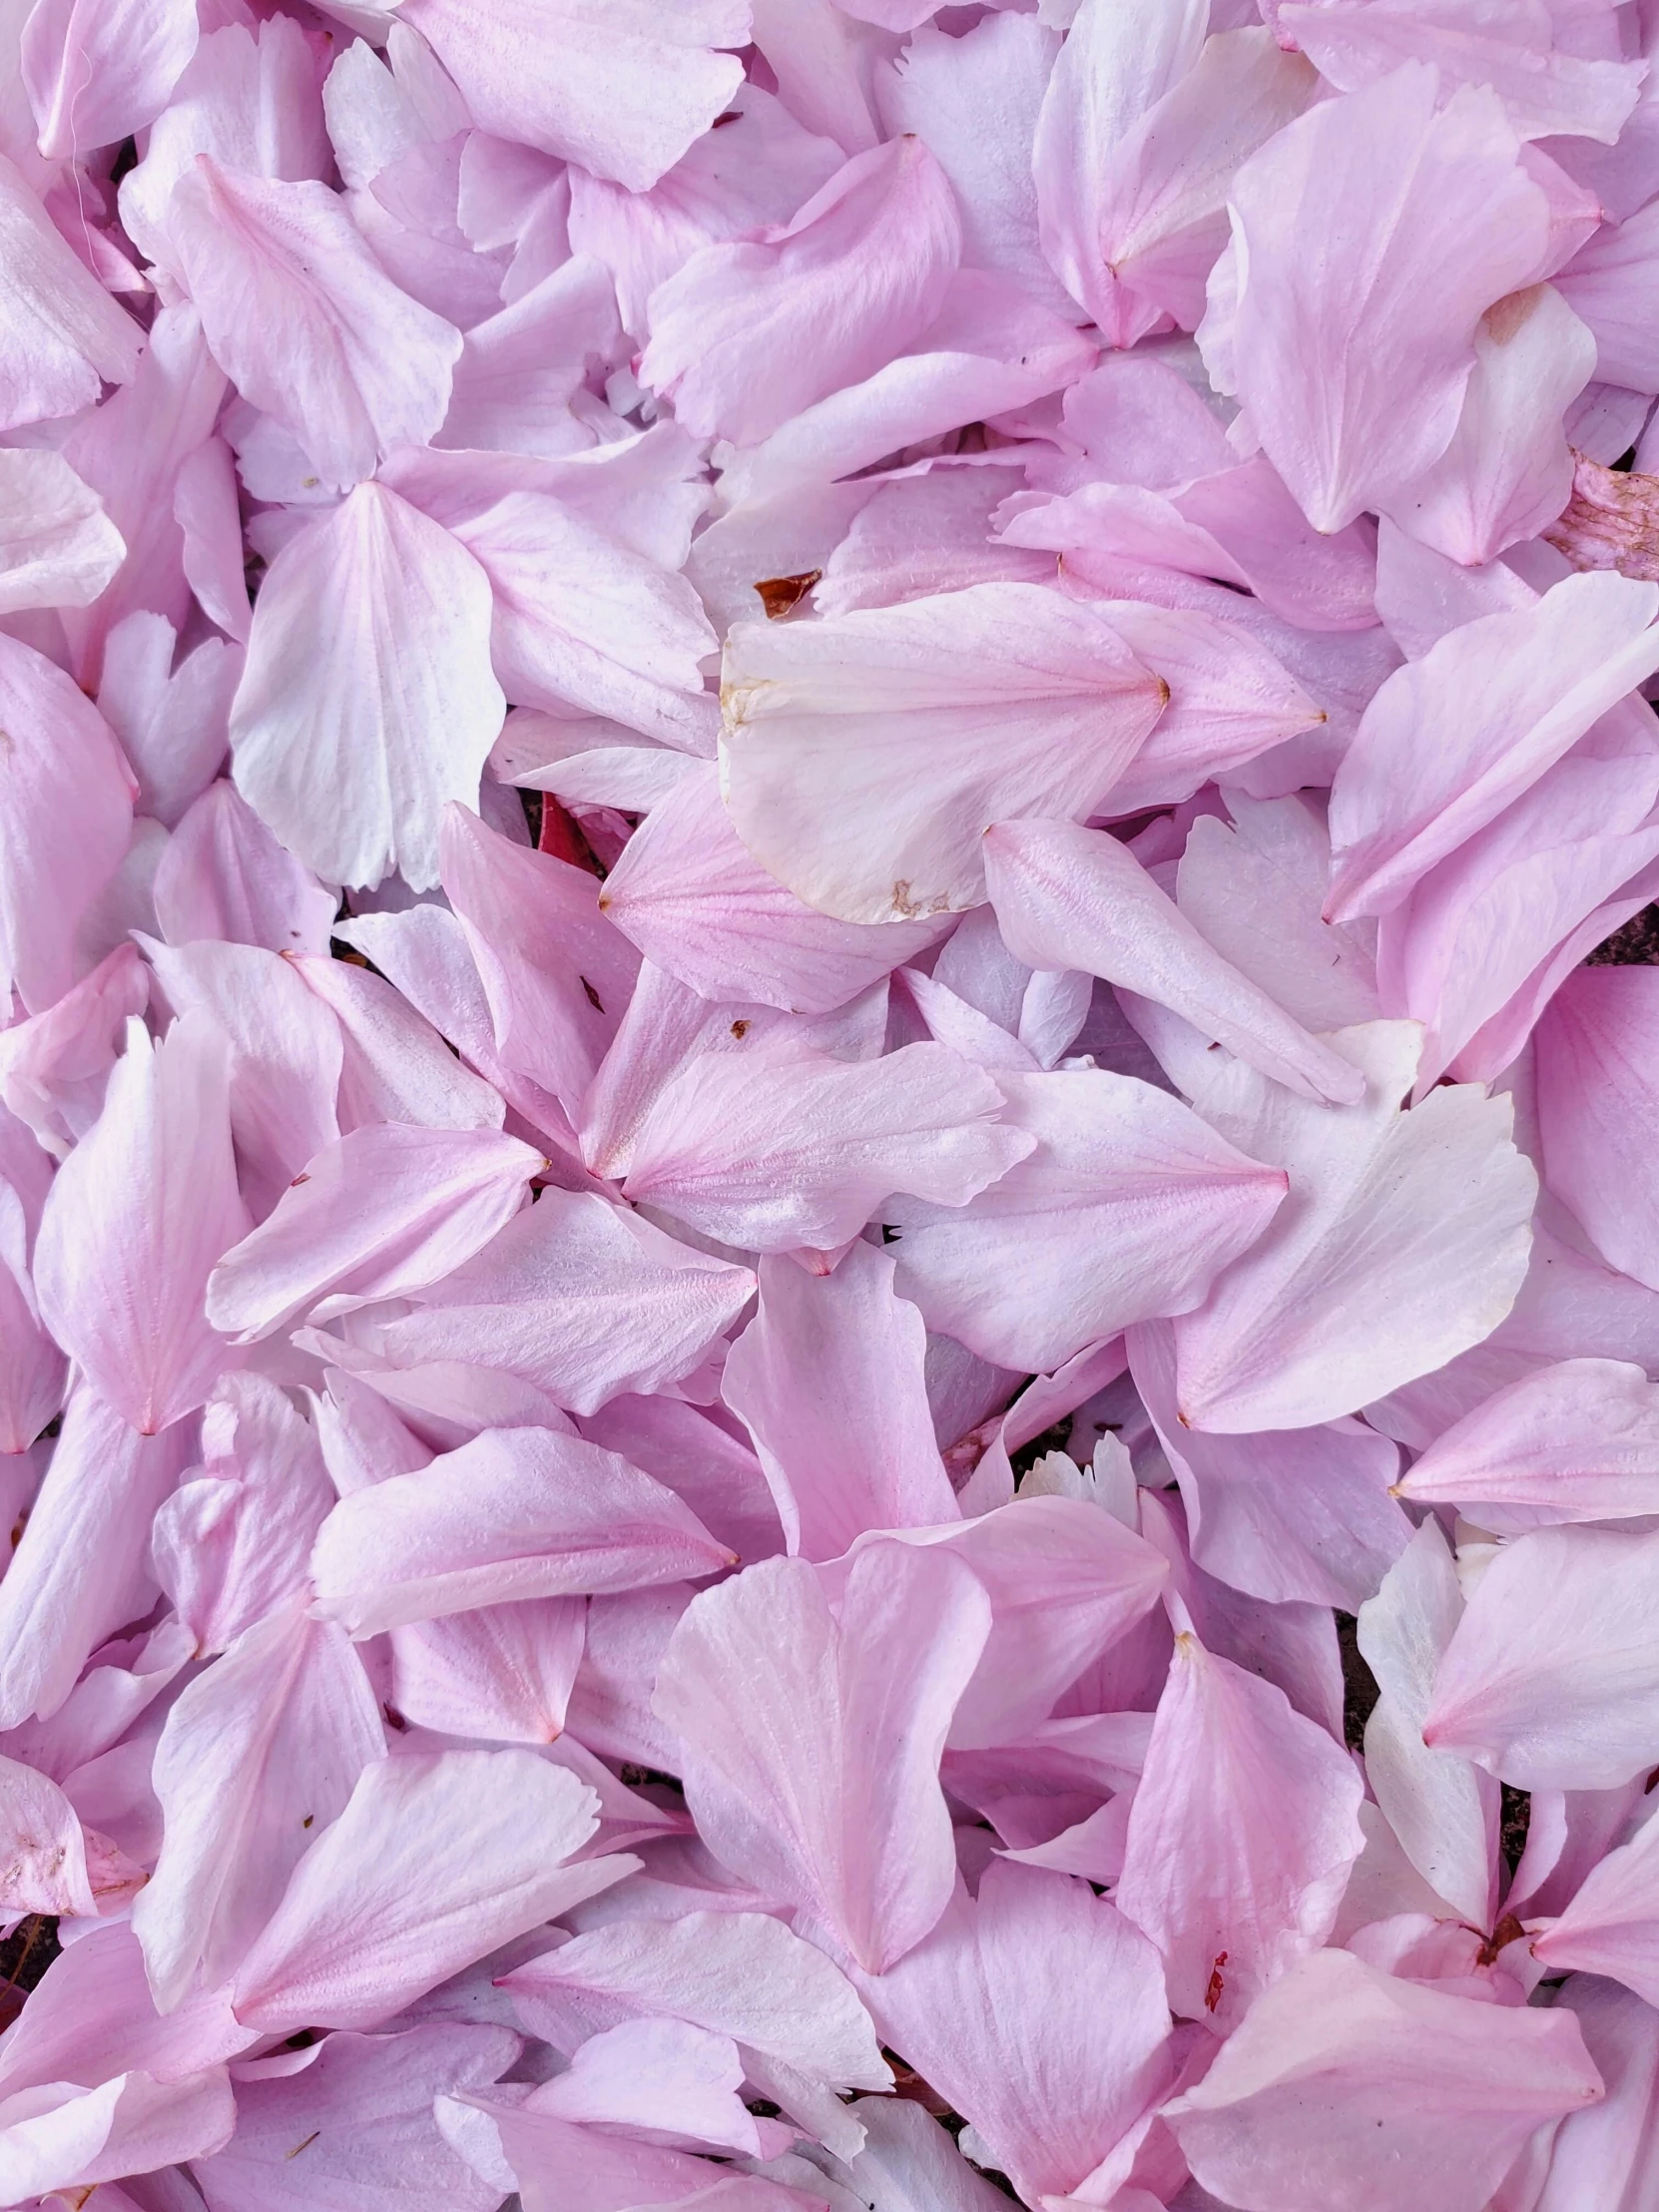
x,y
829,1207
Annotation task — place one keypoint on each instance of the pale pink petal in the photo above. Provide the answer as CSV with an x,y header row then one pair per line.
x,y
1255,888
832,1798
580,1297
1143,126
1403,1242
136,1222
1291,1515
789,1148
45,1863
256,1759
437,1859
377,1214
762,166
224,875
1547,1679
286,1055
690,897
206,510
990,349
556,974
1578,1441
82,1569
1240,1835
55,1067
1443,1811
1611,1927
521,368
58,548
250,99
95,73
33,1371
1450,741
1373,231
1128,1208
60,331
1609,283
173,727
1004,1993
583,619
1545,94
501,1672
974,101
827,1379
1597,1064
802,2031
561,2166
623,90
1507,472
517,1513
233,1544
357,2123
368,701
302,319
1066,1584
394,1066
867,755
72,2140
64,825
748,335
1603,2154
658,2078
1072,898
1347,2085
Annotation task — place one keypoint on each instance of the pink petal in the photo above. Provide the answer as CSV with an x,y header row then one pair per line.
x,y
81,1571
363,2111
802,2031
623,91
1068,897
795,1149
1599,1058
135,1221
1240,1835
824,301
300,316
502,1672
1578,1441
1128,1207
95,75
1422,1218
1546,1681
65,824
58,548
349,745
827,1379
1450,741
62,331
1348,2084
381,1212
1353,383
693,901
517,1513
834,1798
437,1859
256,1759
1003,1994
866,756
1299,1514
224,875
556,974
582,1298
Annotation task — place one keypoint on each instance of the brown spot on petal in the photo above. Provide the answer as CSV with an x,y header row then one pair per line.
x,y
779,595
1212,1995
1610,522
